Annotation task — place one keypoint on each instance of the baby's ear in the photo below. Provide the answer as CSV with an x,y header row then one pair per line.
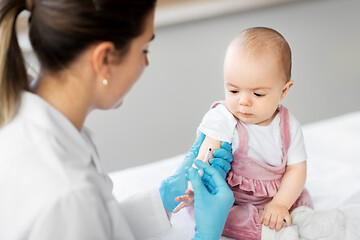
x,y
286,89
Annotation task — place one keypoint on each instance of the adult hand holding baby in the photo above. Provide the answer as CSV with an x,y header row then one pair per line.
x,y
177,184
211,208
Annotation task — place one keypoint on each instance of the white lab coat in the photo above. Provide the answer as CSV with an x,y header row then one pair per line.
x,y
52,186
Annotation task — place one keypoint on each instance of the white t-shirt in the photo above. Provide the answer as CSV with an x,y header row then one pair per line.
x,y
264,141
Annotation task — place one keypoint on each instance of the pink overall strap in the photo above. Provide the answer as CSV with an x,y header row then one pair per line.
x,y
285,128
243,136
217,103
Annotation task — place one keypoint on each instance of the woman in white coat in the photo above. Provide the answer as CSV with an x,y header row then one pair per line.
x,y
51,184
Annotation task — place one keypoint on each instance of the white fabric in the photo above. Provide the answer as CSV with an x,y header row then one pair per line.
x,y
286,233
308,224
264,141
52,186
333,175
329,225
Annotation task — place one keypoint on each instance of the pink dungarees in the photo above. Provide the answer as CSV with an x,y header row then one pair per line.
x,y
254,184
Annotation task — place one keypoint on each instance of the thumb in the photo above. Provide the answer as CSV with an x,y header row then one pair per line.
x,y
198,141
218,180
196,180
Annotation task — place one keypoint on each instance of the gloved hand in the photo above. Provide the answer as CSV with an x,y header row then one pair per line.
x,y
176,184
221,162
211,209
222,159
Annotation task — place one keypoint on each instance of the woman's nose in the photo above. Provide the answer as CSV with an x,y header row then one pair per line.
x,y
146,61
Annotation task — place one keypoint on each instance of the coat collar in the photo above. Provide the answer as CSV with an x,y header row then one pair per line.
x,y
79,144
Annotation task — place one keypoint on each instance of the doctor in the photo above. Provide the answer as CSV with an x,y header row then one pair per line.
x,y
51,184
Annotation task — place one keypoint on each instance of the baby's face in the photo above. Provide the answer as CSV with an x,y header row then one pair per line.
x,y
254,86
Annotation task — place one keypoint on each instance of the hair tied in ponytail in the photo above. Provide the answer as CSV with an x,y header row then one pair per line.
x,y
29,4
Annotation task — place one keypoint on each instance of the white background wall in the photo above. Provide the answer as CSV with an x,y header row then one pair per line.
x,y
160,115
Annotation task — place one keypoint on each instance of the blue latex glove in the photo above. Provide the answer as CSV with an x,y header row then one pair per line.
x,y
221,162
222,159
211,209
176,184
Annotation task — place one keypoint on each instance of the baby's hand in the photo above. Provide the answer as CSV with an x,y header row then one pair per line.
x,y
274,214
186,200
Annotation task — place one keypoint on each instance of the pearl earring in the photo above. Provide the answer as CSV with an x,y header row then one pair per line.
x,y
105,82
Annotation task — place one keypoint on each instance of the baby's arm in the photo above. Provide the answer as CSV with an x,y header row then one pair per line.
x,y
188,200
205,146
291,186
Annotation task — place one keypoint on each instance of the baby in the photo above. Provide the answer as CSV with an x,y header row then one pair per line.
x,y
268,172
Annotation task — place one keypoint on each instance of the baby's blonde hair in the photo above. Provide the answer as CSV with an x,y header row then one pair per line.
x,y
258,41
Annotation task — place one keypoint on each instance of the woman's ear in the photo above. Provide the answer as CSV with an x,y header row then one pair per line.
x,y
101,58
286,89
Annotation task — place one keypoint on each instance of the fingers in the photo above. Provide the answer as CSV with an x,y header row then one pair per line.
x,y
265,219
227,146
222,159
268,219
224,153
279,223
182,198
179,207
261,219
209,183
190,156
274,221
212,172
186,200
220,170
198,141
195,179
190,193
288,220
220,163
221,189
210,187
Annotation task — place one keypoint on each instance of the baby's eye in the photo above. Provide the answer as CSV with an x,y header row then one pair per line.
x,y
234,91
259,95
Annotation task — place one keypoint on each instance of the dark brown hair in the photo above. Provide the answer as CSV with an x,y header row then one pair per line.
x,y
59,31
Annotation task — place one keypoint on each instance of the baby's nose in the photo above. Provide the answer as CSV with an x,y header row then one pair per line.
x,y
244,100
